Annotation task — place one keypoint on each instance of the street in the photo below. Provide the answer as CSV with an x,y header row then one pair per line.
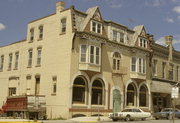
x,y
137,121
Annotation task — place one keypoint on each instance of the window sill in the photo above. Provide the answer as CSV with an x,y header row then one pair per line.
x,y
40,39
29,66
62,33
30,41
38,66
79,105
15,69
53,94
8,69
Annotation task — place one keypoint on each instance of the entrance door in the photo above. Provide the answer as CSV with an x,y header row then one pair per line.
x,y
116,100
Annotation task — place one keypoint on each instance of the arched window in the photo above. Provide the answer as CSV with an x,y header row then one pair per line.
x,y
116,61
131,95
143,97
97,93
79,91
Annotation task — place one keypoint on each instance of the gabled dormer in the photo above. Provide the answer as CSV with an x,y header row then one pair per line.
x,y
140,37
93,22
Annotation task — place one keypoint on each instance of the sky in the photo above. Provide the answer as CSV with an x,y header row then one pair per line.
x,y
160,17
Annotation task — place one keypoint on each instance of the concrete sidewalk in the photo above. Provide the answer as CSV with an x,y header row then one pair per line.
x,y
89,119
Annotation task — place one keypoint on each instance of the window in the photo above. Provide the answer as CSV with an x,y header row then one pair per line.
x,y
16,60
2,63
141,65
12,91
131,94
171,73
39,51
10,62
30,57
155,67
79,91
94,55
143,96
40,32
63,25
114,35
83,53
97,93
37,85
163,70
143,42
96,27
177,73
121,37
31,34
54,86
133,64
116,61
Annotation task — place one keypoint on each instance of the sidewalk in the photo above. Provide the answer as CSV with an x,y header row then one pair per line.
x,y
89,119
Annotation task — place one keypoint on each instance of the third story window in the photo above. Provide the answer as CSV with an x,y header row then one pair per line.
x,y
96,27
30,58
63,25
31,34
1,62
40,32
16,60
10,62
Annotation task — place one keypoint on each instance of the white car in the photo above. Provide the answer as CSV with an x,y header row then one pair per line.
x,y
130,114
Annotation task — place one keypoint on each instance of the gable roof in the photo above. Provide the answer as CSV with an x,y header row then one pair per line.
x,y
138,30
90,12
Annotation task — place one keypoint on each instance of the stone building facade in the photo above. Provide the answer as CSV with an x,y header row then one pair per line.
x,y
75,63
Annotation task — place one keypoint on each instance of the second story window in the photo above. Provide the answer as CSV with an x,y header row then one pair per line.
x,y
133,64
94,55
1,62
39,52
155,67
30,54
121,37
96,27
16,60
32,34
116,61
40,32
142,65
12,91
10,62
83,53
63,25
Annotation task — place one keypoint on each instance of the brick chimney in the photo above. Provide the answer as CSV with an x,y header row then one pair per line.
x,y
168,41
60,6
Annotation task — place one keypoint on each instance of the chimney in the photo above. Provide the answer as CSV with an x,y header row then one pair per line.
x,y
60,6
168,41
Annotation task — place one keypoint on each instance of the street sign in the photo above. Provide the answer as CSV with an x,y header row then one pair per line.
x,y
175,92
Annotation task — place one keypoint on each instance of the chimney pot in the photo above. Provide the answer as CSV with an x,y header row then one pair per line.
x,y
60,6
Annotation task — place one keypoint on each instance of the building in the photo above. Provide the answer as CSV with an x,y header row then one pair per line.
x,y
75,63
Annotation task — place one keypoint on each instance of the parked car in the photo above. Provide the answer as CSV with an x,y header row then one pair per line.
x,y
130,114
167,113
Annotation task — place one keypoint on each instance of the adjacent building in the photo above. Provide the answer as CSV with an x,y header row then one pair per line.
x,y
75,63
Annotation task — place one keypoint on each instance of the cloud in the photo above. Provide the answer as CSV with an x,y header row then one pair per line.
x,y
2,26
178,17
154,3
177,9
170,20
114,3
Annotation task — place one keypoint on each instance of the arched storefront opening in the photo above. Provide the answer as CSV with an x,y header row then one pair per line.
x,y
131,95
79,91
97,92
116,100
143,96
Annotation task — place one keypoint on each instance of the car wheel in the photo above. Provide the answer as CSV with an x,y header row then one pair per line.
x,y
169,117
143,119
128,118
115,119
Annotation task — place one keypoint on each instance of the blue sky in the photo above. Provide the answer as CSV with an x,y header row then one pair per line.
x,y
160,17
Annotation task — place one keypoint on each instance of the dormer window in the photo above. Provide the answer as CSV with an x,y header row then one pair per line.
x,y
143,43
96,27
